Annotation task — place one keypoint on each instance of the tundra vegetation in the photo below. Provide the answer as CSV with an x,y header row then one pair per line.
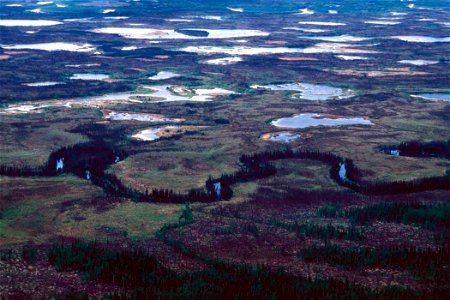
x,y
224,150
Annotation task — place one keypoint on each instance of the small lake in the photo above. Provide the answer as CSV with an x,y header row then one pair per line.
x,y
343,172
162,93
22,109
56,46
152,134
311,91
43,83
166,93
310,120
163,75
107,97
433,97
89,76
147,134
282,137
142,117
418,62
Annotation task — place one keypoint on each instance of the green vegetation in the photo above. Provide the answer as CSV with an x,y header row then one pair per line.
x,y
330,211
177,170
139,274
186,216
425,215
9,215
138,221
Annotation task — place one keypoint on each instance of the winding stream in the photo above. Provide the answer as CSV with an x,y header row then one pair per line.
x,y
90,161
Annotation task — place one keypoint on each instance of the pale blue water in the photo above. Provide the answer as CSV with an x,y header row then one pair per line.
x,y
343,172
285,137
311,120
312,91
434,97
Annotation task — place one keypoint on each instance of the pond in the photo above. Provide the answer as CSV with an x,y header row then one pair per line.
x,y
163,75
231,60
322,47
343,172
147,134
311,91
162,93
351,57
168,93
433,97
154,133
28,23
345,38
22,109
43,83
418,62
319,23
183,34
421,39
312,120
89,76
142,117
57,46
282,137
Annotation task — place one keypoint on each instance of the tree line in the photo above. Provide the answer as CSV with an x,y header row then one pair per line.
x,y
439,149
353,174
90,160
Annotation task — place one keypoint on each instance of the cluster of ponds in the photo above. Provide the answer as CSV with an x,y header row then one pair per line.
x,y
324,35
141,117
156,94
310,91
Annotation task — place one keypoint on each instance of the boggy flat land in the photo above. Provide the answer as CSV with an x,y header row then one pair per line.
x,y
161,97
